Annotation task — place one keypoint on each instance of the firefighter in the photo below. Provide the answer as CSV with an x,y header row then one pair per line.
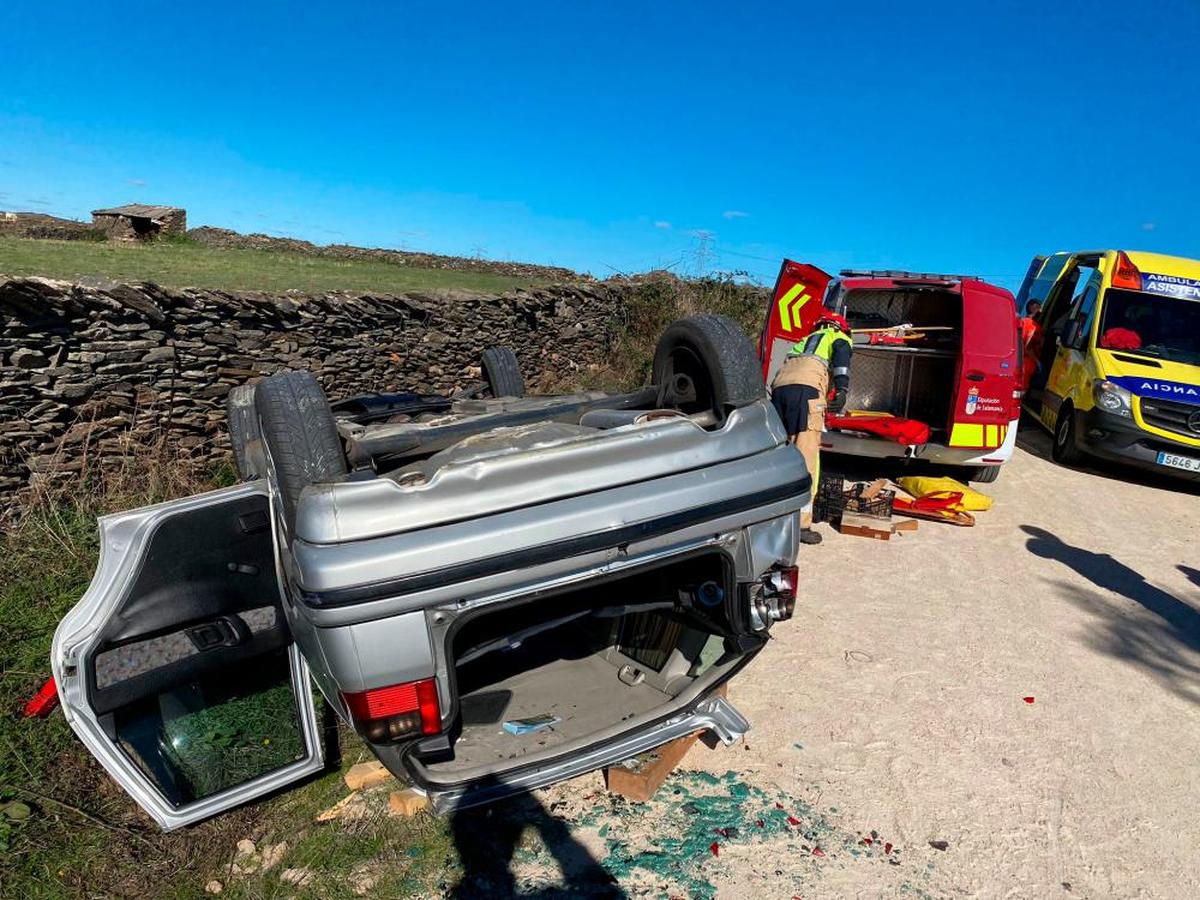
x,y
800,393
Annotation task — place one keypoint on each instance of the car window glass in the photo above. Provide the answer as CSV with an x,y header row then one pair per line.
x,y
229,726
1083,307
1042,286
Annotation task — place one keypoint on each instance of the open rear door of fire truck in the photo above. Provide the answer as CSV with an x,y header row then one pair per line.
x,y
795,304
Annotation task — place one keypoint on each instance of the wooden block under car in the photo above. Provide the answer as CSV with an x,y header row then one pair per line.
x,y
865,526
407,802
366,774
649,770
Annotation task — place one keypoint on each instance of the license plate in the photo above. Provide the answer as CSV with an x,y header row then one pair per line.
x,y
1175,461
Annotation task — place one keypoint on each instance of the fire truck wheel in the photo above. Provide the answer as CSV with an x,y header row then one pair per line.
x,y
985,474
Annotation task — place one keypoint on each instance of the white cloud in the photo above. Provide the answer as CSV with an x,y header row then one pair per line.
x,y
136,182
735,214
661,223
1147,226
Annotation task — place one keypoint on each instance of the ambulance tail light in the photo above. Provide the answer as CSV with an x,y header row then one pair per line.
x,y
396,712
1126,274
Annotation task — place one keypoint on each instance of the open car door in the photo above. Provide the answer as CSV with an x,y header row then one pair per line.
x,y
796,302
177,669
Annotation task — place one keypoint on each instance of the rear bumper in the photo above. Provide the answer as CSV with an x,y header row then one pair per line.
x,y
940,454
1117,439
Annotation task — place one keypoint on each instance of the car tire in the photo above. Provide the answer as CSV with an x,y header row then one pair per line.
x,y
985,474
1064,449
715,354
244,435
503,372
299,436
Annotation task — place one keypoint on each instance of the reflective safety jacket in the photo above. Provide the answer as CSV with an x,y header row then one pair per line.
x,y
833,348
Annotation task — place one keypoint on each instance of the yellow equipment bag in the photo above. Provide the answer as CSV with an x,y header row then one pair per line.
x,y
925,485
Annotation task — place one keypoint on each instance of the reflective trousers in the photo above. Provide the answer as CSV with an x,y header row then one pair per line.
x,y
813,373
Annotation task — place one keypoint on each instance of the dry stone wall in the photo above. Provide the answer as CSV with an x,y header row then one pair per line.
x,y
87,370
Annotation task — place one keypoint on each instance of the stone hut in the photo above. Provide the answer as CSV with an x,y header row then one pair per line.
x,y
139,222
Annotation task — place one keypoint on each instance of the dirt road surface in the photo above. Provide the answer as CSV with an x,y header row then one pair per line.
x,y
1026,691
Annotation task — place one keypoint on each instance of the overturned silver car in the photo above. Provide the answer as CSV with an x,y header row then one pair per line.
x,y
496,592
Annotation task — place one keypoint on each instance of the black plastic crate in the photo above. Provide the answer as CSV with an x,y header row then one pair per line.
x,y
833,499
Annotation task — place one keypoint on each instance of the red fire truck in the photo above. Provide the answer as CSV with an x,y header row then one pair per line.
x,y
941,351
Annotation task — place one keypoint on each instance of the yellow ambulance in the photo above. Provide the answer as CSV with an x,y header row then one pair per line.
x,y
1115,366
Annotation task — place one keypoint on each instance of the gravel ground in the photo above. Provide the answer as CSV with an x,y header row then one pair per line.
x,y
1023,694
1026,691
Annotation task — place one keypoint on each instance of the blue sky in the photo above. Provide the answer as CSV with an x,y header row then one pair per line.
x,y
607,136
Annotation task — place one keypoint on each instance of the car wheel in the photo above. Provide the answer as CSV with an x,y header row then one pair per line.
x,y
985,474
244,436
706,362
502,372
299,436
1065,451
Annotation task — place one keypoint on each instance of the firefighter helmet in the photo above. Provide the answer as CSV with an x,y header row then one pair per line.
x,y
828,319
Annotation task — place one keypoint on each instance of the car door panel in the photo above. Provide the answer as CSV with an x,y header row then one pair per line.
x,y
176,668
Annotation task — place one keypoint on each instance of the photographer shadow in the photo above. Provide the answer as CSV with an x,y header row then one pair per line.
x,y
487,837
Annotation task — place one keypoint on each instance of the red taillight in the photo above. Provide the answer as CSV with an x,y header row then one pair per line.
x,y
1126,274
397,711
44,702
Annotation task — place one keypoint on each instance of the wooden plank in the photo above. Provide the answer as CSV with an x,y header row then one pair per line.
x,y
639,785
871,491
905,525
652,768
963,519
865,526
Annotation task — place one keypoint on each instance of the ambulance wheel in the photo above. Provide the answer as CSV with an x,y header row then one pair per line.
x,y
244,436
985,474
299,436
1065,451
502,372
706,363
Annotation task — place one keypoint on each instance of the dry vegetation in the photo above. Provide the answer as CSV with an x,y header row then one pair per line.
x,y
67,830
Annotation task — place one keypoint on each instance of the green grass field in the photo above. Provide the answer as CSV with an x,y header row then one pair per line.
x,y
67,831
185,264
